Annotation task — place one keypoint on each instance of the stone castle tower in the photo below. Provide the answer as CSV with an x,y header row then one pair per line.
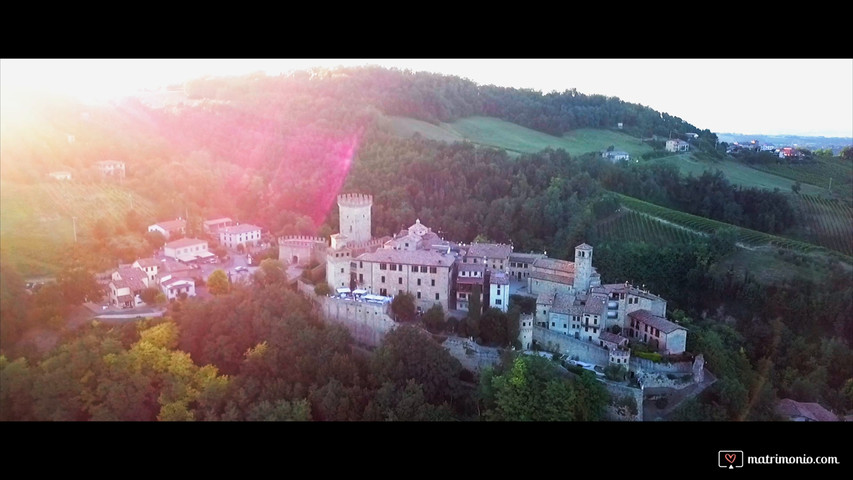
x,y
525,331
583,267
354,209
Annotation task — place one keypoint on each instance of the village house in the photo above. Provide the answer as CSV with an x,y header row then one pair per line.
x,y
211,227
186,249
587,310
494,256
244,234
520,264
615,155
125,285
469,277
170,228
676,145
499,291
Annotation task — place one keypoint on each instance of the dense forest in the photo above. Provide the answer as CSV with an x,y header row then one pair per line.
x,y
277,150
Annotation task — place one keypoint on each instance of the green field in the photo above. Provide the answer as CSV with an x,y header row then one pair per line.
x,y
493,132
631,226
737,173
37,222
826,222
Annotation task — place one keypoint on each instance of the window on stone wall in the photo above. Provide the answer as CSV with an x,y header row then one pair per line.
x,y
400,281
436,296
432,282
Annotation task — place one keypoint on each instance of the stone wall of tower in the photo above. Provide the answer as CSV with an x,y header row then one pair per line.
x,y
525,331
583,267
355,221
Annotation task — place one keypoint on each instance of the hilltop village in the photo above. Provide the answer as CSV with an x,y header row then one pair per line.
x,y
570,299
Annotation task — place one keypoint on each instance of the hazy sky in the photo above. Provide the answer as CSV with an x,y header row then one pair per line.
x,y
761,96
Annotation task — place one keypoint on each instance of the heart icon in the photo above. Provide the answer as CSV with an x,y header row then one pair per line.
x,y
730,457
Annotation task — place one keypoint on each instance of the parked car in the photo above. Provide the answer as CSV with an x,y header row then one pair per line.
x,y
239,268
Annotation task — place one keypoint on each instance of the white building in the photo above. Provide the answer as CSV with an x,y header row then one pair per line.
x,y
244,234
499,291
170,228
186,249
677,145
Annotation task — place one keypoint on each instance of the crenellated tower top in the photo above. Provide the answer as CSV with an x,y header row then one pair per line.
x,y
355,200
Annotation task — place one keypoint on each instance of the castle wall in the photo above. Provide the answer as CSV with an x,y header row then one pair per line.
x,y
306,249
367,323
584,351
622,414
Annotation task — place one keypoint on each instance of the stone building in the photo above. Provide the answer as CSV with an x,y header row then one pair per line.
x,y
302,250
571,301
415,260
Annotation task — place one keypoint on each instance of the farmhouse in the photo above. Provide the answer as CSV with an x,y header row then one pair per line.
x,y
615,155
676,145
170,228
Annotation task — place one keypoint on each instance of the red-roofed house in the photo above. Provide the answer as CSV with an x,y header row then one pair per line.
x,y
125,284
658,332
170,228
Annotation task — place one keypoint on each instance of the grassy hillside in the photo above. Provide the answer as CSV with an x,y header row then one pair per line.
x,y
498,133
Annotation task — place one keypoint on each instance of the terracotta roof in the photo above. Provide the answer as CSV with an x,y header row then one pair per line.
x,y
242,228
184,242
499,278
471,267
623,288
470,280
170,225
810,411
525,257
148,262
132,278
583,246
596,304
651,320
561,279
612,337
217,221
416,257
562,266
489,250
563,303
546,297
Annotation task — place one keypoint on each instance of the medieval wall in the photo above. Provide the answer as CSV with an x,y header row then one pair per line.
x,y
581,349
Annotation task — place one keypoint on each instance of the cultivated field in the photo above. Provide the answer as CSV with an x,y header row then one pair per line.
x,y
628,225
826,222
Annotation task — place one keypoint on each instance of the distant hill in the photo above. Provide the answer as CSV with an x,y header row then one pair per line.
x,y
812,143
